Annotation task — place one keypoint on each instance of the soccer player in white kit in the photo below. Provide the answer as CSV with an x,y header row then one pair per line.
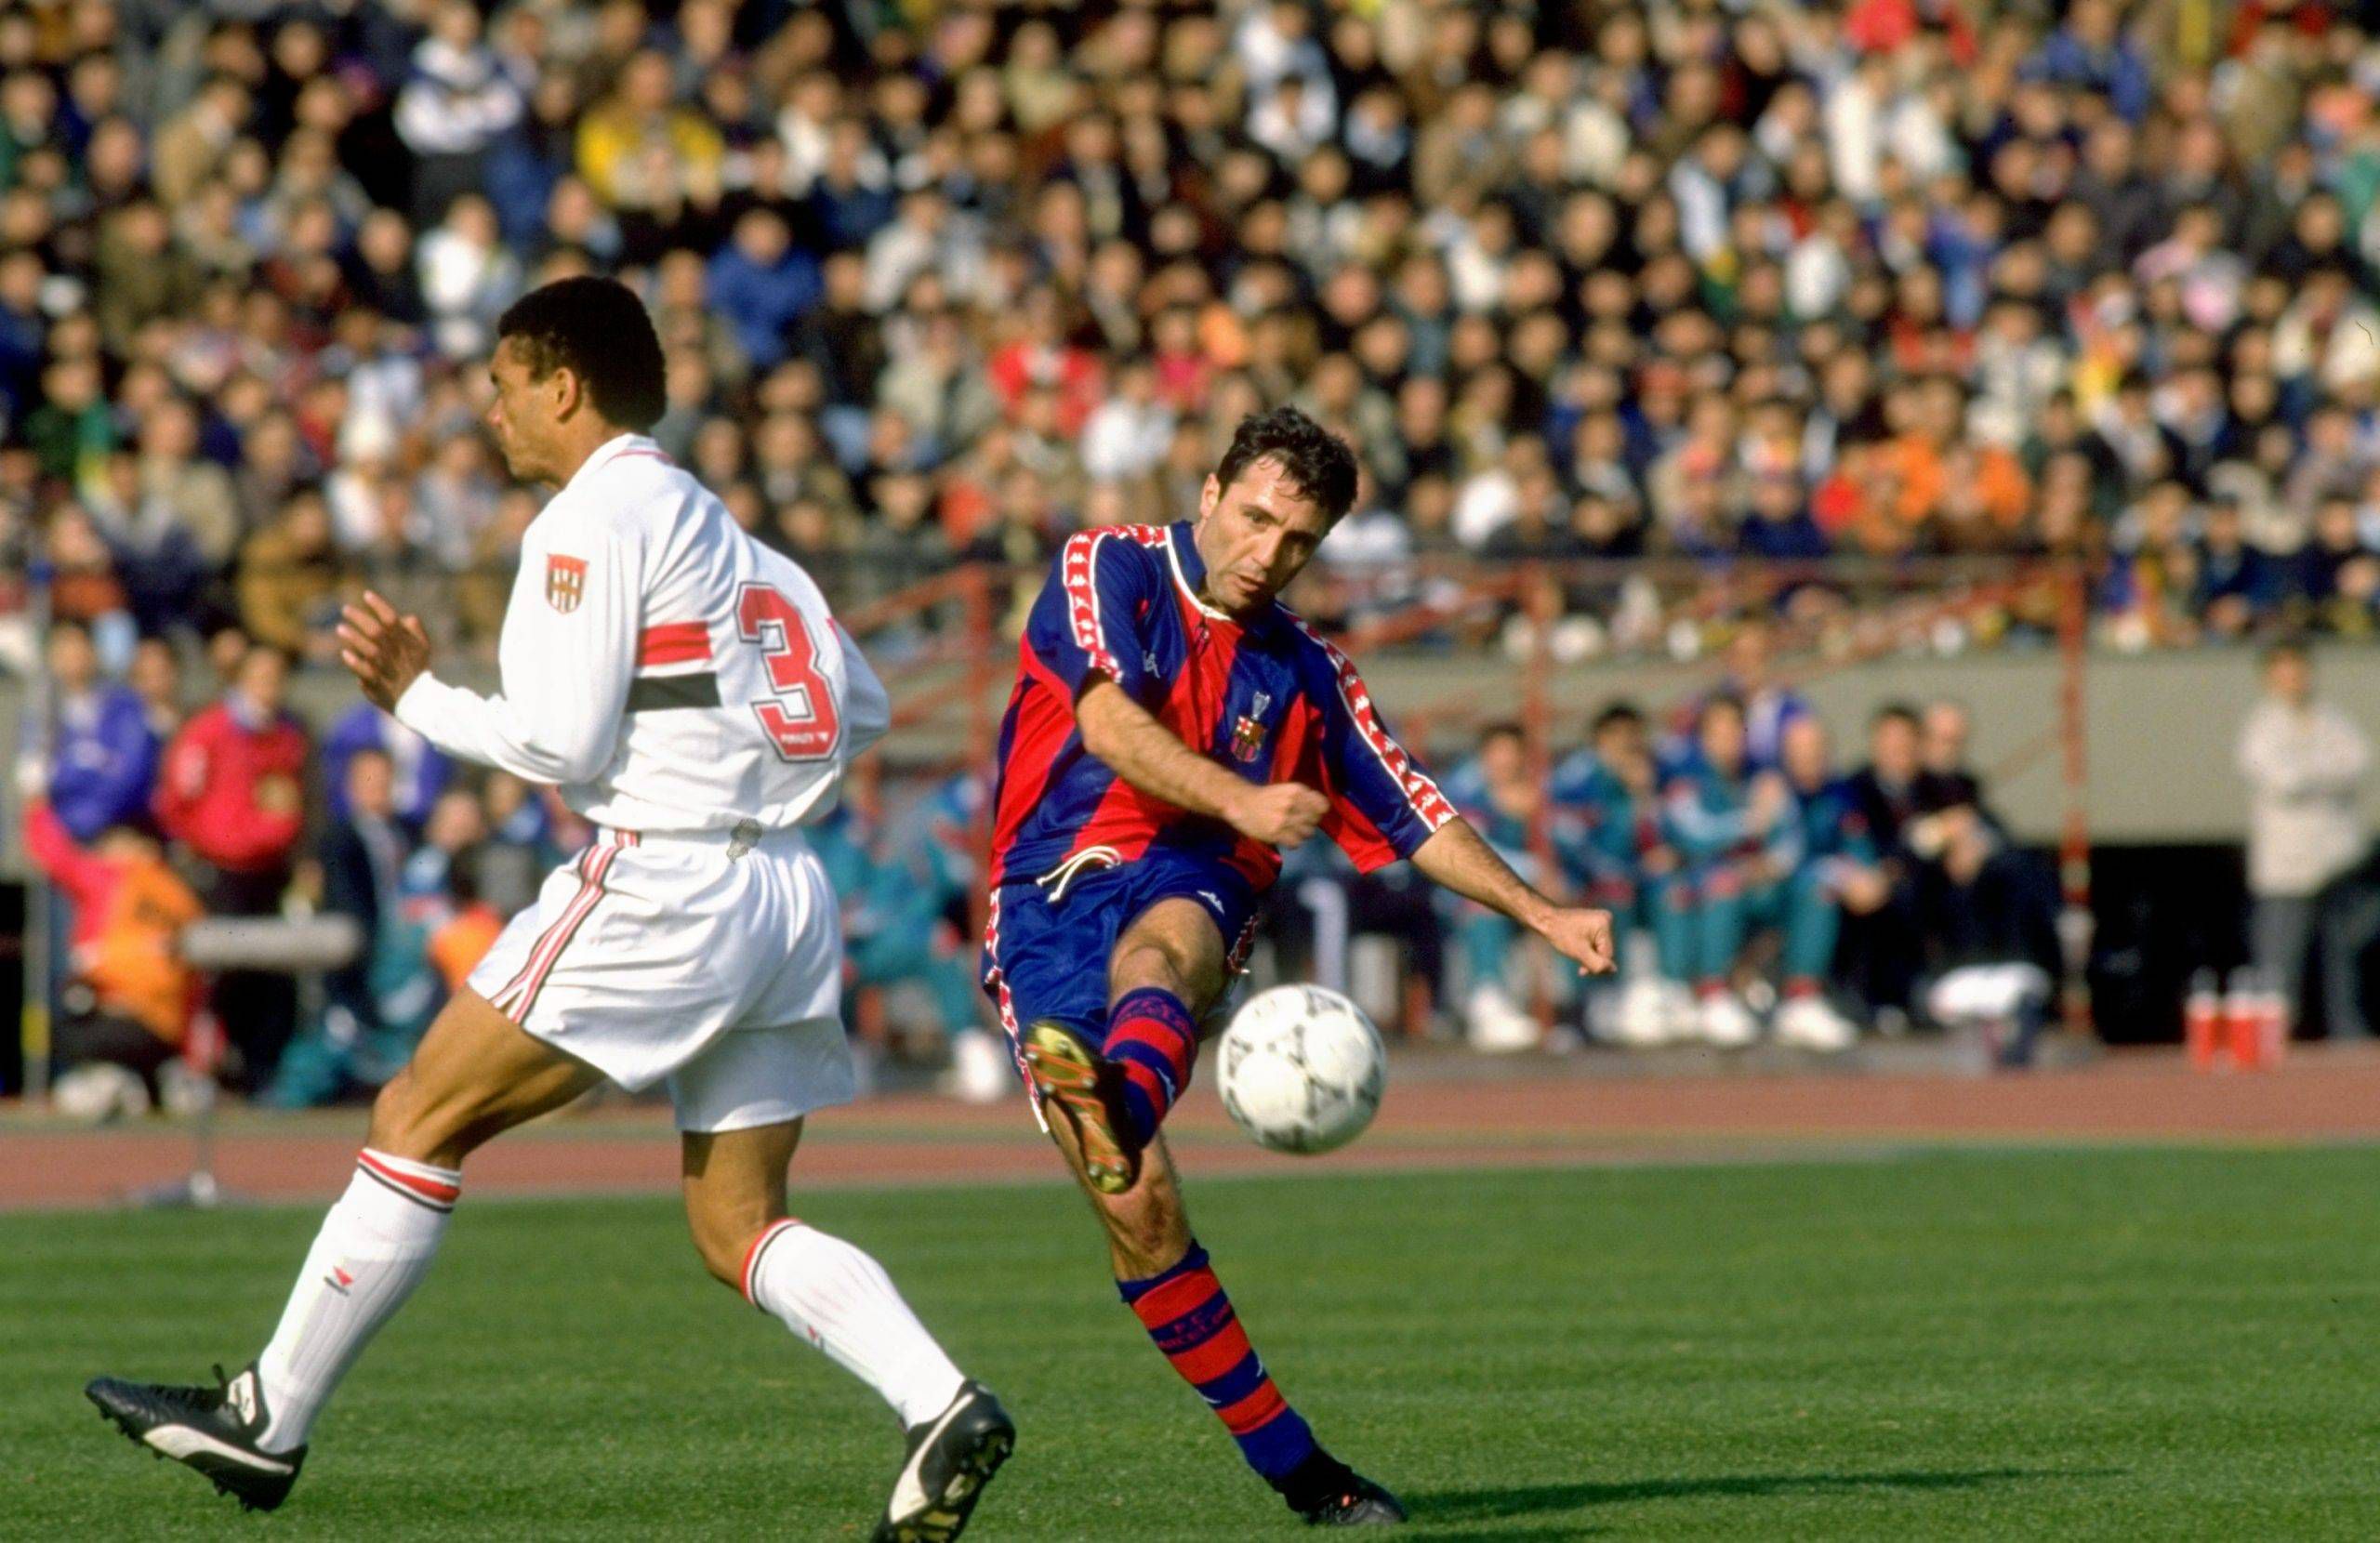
x,y
690,694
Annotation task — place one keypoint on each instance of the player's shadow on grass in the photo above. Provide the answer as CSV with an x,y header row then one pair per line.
x,y
1485,1505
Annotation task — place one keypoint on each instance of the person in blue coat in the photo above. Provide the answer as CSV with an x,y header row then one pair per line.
x,y
102,753
419,770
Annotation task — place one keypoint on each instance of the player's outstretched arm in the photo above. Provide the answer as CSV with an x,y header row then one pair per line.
x,y
1456,857
1152,757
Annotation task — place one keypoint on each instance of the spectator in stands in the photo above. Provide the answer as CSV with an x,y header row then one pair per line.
x,y
2305,762
156,678
1740,842
1987,912
361,857
520,847
418,770
130,998
762,284
639,148
103,753
1883,948
468,930
901,883
1840,859
232,791
458,102
1609,835
1496,792
291,579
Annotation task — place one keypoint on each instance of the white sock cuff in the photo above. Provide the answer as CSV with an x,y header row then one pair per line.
x,y
432,1187
750,1274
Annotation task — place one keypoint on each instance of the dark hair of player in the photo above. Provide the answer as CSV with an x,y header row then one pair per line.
x,y
2285,648
596,329
1314,460
1503,730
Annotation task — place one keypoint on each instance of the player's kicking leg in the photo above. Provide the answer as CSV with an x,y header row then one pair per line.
x,y
476,1074
1169,965
840,1300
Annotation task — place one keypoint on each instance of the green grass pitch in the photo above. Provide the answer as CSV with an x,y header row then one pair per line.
x,y
2120,1344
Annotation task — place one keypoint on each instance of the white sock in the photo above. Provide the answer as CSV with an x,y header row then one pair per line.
x,y
375,1247
841,1301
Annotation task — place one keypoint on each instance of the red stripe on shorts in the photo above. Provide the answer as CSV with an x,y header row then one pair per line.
x,y
516,999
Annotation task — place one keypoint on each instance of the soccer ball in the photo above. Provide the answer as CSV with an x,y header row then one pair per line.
x,y
1301,1069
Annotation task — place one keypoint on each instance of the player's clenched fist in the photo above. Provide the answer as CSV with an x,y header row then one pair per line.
x,y
1282,814
1584,936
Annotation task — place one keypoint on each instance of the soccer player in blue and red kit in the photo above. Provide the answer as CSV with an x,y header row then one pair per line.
x,y
1173,729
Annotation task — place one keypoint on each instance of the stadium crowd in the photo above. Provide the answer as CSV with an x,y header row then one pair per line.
x,y
1791,292
1891,279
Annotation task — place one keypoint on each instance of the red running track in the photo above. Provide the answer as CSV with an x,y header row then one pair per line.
x,y
1527,1113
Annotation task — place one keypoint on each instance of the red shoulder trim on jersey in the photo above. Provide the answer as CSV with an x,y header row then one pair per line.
x,y
1078,571
1429,805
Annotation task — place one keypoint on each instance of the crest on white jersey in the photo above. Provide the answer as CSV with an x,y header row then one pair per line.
x,y
565,582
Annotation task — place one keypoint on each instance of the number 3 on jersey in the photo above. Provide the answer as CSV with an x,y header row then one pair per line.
x,y
801,718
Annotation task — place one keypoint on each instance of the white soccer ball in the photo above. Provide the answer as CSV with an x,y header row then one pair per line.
x,y
1301,1069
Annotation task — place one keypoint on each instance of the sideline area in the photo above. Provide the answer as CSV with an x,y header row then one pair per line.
x,y
1527,1113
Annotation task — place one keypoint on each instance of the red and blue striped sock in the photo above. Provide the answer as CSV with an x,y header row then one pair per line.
x,y
1191,1320
1152,1035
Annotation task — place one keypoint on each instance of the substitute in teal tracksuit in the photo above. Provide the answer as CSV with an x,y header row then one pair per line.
x,y
1838,851
1493,790
1608,832
898,886
1742,843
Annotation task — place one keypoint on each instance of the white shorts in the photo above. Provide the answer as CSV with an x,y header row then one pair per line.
x,y
690,957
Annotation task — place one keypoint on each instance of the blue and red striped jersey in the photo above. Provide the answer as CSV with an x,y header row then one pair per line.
x,y
1265,696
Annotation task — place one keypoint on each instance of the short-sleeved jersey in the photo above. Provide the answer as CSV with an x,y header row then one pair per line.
x,y
1264,696
663,669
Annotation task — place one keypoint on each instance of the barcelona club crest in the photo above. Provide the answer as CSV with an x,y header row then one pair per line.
x,y
565,582
1247,735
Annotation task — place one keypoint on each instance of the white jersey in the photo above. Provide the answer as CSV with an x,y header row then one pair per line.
x,y
666,671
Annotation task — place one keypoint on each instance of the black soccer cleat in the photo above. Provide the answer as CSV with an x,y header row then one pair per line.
x,y
214,1430
952,1456
1327,1493
1086,1089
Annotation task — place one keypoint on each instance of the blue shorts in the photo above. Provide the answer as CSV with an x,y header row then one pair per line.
x,y
1044,960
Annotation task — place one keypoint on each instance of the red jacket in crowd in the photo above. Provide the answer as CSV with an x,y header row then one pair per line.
x,y
129,912
234,793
